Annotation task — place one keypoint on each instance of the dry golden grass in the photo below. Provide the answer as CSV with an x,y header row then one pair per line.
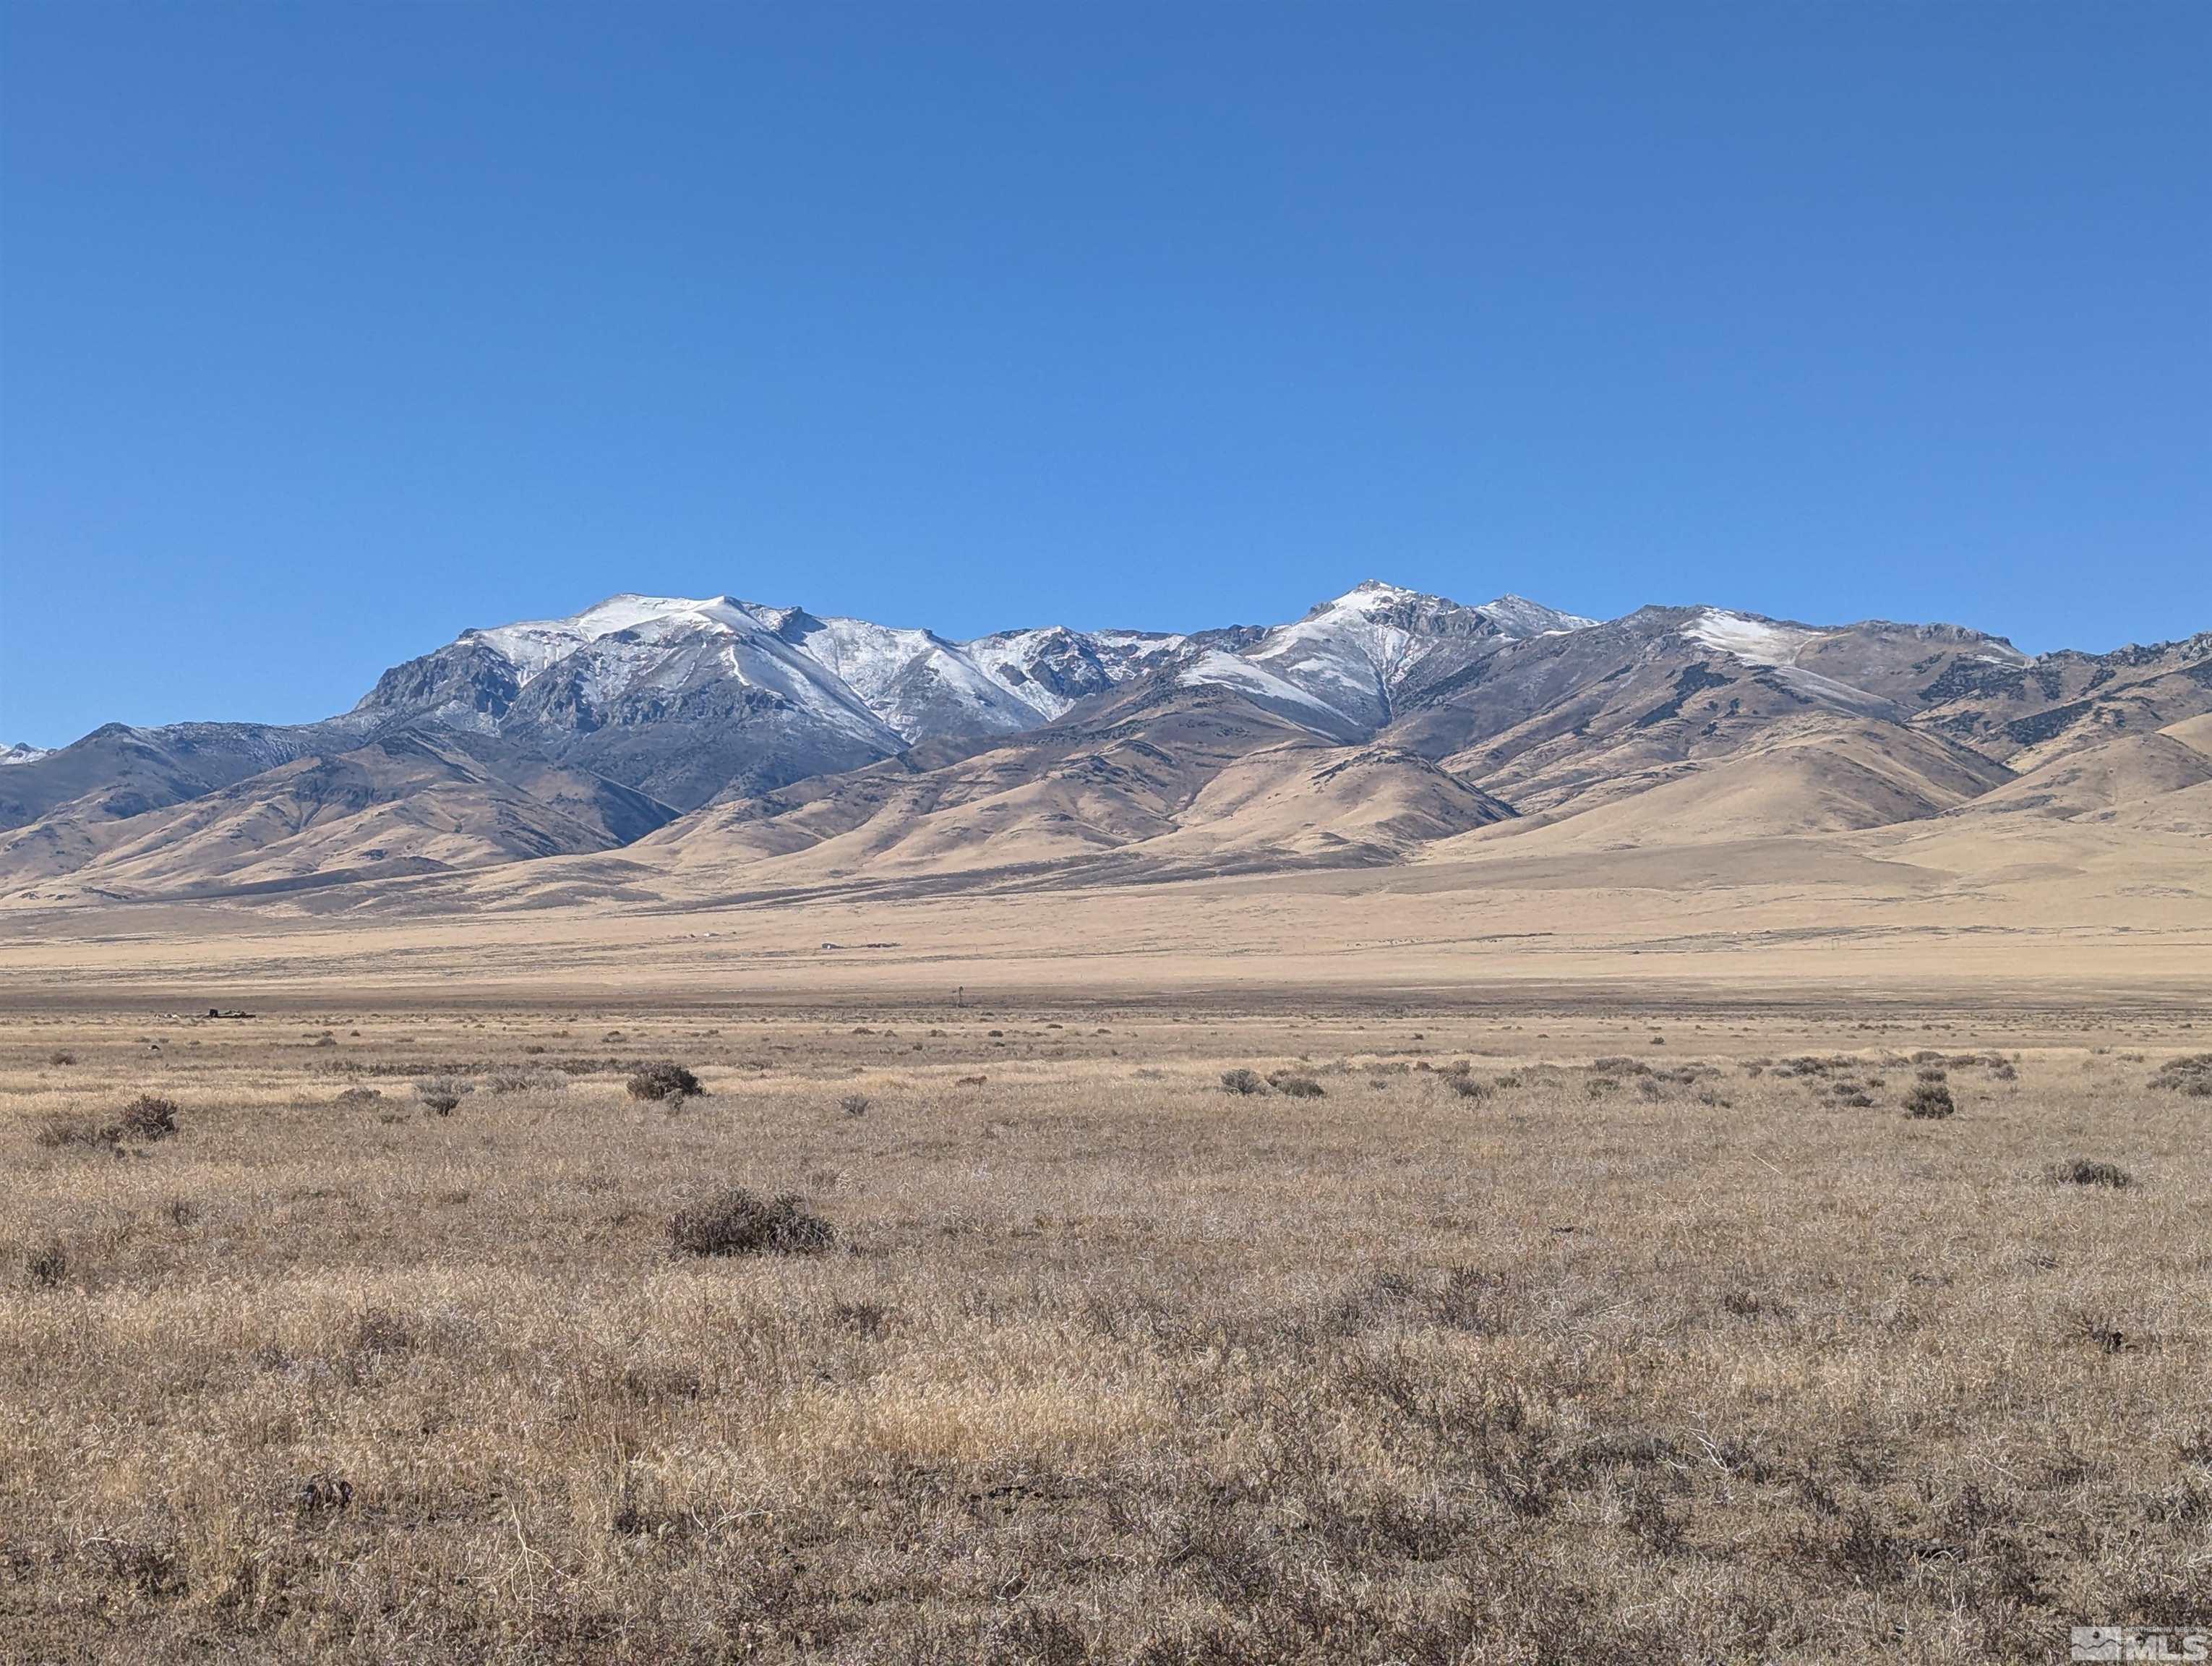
x,y
1683,1357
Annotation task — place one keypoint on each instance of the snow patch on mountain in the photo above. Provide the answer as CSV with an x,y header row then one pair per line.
x,y
23,753
1050,668
1010,660
1827,691
914,681
1754,641
533,646
1517,615
1228,671
1349,653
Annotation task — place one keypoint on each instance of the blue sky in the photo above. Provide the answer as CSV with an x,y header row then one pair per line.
x,y
328,331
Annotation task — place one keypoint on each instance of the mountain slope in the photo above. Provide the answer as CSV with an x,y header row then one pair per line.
x,y
2101,778
402,803
2036,708
1160,777
135,770
1303,798
1113,773
1815,773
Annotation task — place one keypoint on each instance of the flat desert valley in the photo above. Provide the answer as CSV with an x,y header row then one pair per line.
x,y
1788,1250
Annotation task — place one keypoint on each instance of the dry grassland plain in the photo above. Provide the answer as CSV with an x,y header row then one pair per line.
x,y
1537,1327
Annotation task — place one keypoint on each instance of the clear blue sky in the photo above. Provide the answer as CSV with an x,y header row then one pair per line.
x,y
332,328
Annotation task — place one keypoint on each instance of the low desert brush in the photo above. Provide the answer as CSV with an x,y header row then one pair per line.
x,y
1929,1101
664,1082
737,1222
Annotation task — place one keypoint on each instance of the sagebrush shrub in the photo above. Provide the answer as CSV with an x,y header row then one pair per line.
x,y
737,1222
664,1082
1929,1101
1242,1081
2190,1075
149,1118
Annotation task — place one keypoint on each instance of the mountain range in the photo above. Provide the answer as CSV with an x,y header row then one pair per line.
x,y
710,745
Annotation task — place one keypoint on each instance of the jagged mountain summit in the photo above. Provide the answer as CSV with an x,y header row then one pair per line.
x,y
688,698
1352,662
785,693
712,735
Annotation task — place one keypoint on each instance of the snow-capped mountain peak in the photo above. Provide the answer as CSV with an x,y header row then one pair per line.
x,y
1359,654
631,660
1049,668
1517,615
907,682
696,676
21,752
1372,596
